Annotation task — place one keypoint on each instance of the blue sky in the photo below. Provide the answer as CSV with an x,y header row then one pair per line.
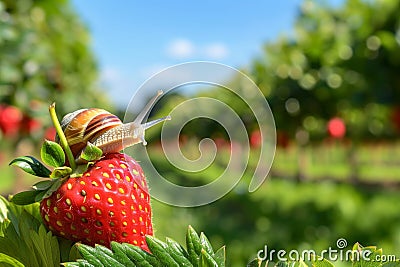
x,y
133,40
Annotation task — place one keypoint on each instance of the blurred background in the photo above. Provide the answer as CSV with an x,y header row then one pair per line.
x,y
329,70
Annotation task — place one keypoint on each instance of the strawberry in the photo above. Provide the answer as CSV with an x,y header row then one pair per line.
x,y
109,202
94,195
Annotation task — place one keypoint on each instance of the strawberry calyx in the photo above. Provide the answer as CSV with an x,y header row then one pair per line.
x,y
60,158
53,155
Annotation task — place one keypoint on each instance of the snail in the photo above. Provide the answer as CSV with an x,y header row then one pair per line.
x,y
105,130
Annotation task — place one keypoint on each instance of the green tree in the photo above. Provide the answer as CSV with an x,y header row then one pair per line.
x,y
338,62
44,57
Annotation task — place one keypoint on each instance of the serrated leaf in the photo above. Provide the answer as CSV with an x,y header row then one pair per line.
x,y
61,172
25,197
178,253
206,260
91,152
46,246
193,245
10,260
106,257
140,257
159,250
219,257
206,245
88,254
31,165
52,154
120,255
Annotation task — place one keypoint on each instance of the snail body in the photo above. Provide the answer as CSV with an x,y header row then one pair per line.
x,y
105,130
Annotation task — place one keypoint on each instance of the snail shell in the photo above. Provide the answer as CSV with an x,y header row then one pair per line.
x,y
105,130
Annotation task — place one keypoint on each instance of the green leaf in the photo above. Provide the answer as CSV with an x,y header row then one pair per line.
x,y
140,257
22,240
88,254
103,250
46,246
56,184
206,260
40,196
206,245
68,250
10,260
366,256
91,152
178,253
25,197
120,255
219,257
31,165
32,196
159,250
42,185
3,209
169,253
106,256
193,245
61,172
52,154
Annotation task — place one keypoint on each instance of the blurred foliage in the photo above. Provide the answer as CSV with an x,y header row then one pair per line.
x,y
282,214
339,65
45,57
338,62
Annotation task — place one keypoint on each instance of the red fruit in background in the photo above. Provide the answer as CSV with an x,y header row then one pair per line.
x,y
10,120
282,139
221,142
50,134
30,125
255,138
395,117
336,127
110,202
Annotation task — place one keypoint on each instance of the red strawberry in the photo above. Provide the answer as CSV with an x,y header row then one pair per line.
x,y
93,194
110,202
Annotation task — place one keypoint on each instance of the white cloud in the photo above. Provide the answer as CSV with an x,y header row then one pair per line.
x,y
216,51
180,48
184,49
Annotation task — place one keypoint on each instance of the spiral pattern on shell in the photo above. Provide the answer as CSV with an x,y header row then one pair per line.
x,y
86,125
